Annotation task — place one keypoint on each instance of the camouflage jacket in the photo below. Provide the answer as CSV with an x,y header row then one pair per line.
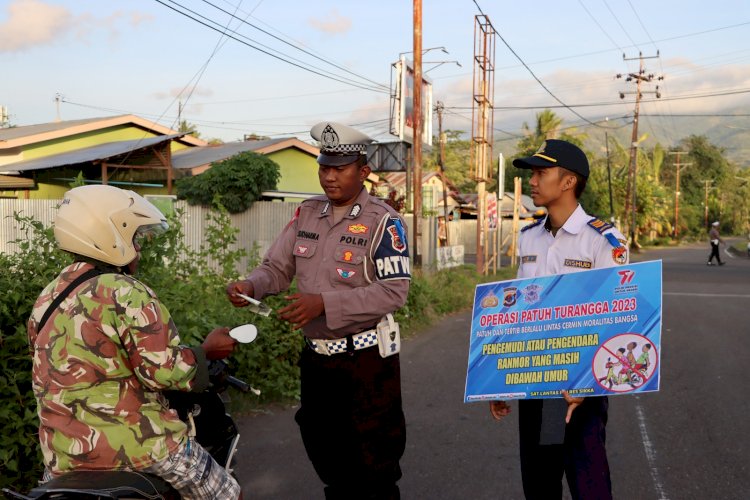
x,y
99,364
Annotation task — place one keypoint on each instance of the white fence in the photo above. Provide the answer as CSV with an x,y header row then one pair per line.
x,y
257,226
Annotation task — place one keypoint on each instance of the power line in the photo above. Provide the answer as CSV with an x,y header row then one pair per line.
x,y
542,84
620,24
327,61
275,56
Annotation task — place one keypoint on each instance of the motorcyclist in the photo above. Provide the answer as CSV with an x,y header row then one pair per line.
x,y
105,353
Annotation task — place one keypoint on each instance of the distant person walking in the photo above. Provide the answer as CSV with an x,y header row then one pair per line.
x,y
715,239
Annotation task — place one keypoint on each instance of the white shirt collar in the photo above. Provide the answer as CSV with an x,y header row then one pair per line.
x,y
576,221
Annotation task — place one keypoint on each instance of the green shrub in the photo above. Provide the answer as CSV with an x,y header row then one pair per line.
x,y
192,285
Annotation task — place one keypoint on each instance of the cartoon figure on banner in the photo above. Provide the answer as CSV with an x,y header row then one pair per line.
x,y
633,373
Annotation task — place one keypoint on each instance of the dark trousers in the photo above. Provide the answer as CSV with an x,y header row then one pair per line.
x,y
582,457
352,423
714,253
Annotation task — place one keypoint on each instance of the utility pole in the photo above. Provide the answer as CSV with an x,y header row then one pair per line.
x,y
58,97
609,181
677,165
417,131
482,117
631,197
439,108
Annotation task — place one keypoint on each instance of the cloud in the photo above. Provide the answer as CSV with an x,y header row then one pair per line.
x,y
32,23
333,23
183,92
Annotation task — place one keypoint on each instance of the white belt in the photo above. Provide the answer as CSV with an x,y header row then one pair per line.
x,y
360,340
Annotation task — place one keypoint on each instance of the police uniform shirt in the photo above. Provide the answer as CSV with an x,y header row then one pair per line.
x,y
583,242
359,265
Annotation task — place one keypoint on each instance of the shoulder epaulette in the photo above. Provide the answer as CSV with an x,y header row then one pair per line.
x,y
533,224
600,226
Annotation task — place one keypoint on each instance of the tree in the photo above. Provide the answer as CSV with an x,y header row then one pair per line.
x,y
189,128
234,183
548,126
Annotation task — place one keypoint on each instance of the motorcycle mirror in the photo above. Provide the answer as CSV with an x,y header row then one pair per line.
x,y
244,333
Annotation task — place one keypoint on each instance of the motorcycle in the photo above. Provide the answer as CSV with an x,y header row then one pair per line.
x,y
205,412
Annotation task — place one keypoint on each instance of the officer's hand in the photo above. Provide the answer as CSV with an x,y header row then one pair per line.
x,y
218,344
573,403
499,409
304,307
243,287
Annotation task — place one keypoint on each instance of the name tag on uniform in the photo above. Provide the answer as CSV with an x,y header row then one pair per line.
x,y
528,259
580,264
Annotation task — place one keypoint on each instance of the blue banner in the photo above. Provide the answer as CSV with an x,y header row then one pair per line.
x,y
592,333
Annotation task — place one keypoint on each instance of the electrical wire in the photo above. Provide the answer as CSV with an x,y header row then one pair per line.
x,y
325,60
310,69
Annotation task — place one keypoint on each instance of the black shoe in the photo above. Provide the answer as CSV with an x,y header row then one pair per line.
x,y
722,263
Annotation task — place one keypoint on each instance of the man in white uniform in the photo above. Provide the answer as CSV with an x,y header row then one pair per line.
x,y
553,438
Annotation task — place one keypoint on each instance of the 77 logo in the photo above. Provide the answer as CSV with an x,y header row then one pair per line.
x,y
626,276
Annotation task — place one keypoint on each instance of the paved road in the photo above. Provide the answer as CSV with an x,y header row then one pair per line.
x,y
689,441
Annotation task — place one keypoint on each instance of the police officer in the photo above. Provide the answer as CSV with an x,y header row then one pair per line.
x,y
563,435
349,253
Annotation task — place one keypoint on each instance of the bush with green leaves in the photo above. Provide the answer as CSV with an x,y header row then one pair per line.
x,y
194,292
234,183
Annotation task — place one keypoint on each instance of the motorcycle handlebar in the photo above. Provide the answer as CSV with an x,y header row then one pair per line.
x,y
238,384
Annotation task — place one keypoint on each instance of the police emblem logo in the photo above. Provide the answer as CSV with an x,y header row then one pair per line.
x,y
357,229
345,273
348,255
329,139
396,242
301,250
509,296
620,254
531,293
490,300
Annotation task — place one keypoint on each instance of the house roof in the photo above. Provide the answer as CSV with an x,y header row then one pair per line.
x,y
31,134
85,155
14,182
196,157
527,204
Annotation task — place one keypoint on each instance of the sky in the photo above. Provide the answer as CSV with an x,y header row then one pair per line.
x,y
105,58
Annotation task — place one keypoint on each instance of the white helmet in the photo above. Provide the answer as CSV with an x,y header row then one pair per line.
x,y
100,222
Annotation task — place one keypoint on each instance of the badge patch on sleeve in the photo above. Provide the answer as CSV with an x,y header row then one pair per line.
x,y
345,273
392,254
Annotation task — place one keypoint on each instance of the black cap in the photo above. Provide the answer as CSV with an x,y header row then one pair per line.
x,y
556,153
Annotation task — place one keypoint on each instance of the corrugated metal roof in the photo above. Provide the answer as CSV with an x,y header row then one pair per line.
x,y
195,157
7,134
13,182
85,155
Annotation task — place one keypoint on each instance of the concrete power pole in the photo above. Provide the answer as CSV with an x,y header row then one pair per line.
x,y
631,196
417,131
677,165
439,108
